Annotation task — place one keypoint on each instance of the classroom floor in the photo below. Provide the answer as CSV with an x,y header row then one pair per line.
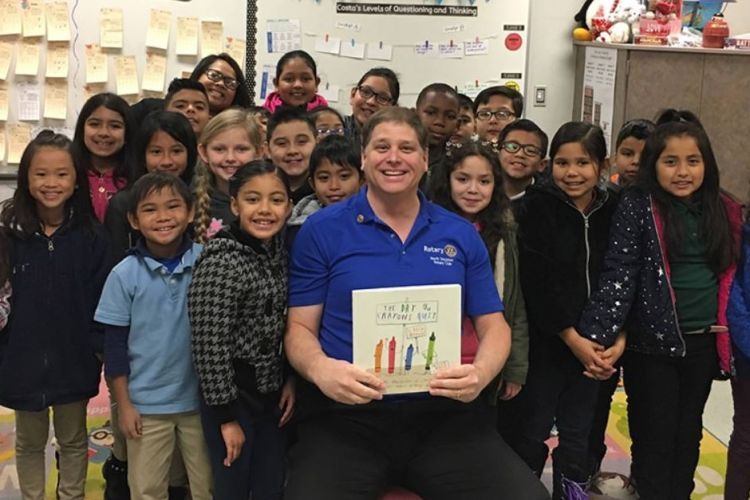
x,y
709,476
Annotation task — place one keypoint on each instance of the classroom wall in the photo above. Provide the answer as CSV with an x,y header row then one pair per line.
x,y
551,62
738,17
84,21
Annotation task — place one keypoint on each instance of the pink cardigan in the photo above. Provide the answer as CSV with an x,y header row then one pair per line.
x,y
273,101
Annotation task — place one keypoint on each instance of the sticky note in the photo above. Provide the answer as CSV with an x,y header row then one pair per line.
x,y
33,18
58,27
10,18
19,136
57,60
451,50
212,35
56,99
96,65
4,101
476,48
126,75
110,28
235,47
157,36
28,57
6,55
187,36
154,72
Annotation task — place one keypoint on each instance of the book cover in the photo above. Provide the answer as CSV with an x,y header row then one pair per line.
x,y
405,334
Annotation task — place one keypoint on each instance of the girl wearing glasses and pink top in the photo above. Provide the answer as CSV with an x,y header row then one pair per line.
x,y
224,82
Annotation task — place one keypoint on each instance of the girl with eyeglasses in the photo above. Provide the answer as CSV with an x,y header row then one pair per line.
x,y
327,122
296,83
224,82
377,89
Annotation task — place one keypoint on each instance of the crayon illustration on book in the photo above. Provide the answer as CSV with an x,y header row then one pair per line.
x,y
405,334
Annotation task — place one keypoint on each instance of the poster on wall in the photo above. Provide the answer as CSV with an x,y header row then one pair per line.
x,y
467,44
599,75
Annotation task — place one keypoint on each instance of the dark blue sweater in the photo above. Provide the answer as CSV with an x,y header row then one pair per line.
x,y
48,351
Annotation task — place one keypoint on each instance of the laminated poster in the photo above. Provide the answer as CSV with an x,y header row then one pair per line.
x,y
405,334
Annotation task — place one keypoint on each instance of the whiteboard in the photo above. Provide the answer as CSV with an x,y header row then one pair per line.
x,y
85,29
500,23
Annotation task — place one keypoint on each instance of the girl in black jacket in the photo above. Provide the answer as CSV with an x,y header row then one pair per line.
x,y
563,233
59,261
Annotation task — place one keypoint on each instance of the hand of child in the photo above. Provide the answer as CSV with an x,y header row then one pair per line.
x,y
130,421
588,353
234,438
346,383
288,398
510,390
609,356
462,383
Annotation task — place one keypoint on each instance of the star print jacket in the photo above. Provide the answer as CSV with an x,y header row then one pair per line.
x,y
634,289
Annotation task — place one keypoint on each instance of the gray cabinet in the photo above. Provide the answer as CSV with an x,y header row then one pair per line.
x,y
715,84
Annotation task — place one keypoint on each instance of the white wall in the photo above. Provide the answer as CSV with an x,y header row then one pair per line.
x,y
738,17
551,62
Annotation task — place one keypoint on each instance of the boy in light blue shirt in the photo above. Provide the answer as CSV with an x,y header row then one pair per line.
x,y
147,350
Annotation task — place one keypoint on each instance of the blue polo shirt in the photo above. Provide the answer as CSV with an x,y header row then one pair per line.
x,y
347,247
143,294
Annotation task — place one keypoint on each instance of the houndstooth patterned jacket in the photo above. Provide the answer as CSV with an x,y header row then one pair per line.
x,y
237,306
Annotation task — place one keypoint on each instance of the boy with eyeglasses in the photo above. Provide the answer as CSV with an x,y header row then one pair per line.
x,y
494,108
523,151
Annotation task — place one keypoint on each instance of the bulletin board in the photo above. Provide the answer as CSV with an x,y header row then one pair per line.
x,y
468,44
52,56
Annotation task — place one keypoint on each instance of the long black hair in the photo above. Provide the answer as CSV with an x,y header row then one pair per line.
x,y
19,214
714,227
123,158
495,218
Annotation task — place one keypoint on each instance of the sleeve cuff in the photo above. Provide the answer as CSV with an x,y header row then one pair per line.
x,y
227,412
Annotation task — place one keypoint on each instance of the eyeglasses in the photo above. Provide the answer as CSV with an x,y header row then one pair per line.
x,y
330,131
502,115
367,93
513,148
217,76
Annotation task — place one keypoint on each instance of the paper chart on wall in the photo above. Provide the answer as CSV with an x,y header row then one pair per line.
x,y
19,136
476,48
157,36
96,65
56,99
126,75
212,35
29,52
352,49
330,92
599,73
111,28
29,100
57,60
58,28
404,334
33,19
154,72
187,36
283,35
328,45
266,80
451,50
10,18
6,56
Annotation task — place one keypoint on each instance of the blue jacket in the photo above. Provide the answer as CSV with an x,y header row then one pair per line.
x,y
634,289
48,349
738,310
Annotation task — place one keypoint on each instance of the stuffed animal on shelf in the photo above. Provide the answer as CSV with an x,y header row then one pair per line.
x,y
613,21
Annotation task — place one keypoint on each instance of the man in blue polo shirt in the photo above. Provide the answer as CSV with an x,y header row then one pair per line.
x,y
352,443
